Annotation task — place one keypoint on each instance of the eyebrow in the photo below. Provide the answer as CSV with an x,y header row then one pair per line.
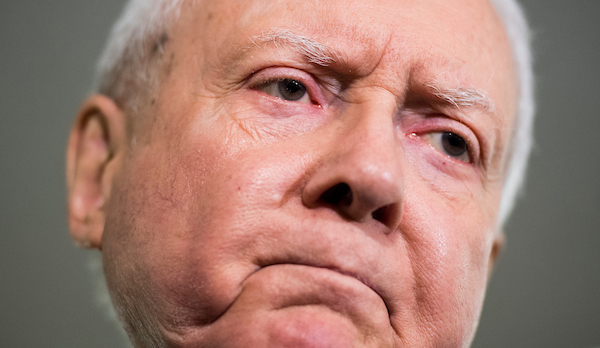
x,y
315,52
323,55
461,96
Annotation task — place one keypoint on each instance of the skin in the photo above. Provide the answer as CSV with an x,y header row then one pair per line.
x,y
213,208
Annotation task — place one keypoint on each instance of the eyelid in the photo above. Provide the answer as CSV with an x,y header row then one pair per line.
x,y
441,124
469,154
275,74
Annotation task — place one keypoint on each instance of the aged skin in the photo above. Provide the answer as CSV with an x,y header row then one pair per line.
x,y
265,198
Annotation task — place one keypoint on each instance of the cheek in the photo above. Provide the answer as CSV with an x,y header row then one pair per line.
x,y
448,250
148,230
172,236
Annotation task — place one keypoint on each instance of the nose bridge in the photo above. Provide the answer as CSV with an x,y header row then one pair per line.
x,y
371,159
361,176
370,141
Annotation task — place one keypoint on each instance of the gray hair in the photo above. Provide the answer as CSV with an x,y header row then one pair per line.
x,y
518,32
127,71
127,68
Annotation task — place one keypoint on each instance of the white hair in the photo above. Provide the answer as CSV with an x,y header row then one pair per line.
x,y
518,32
127,68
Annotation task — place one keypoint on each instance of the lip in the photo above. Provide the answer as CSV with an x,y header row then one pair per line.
x,y
284,285
320,247
323,277
336,269
293,304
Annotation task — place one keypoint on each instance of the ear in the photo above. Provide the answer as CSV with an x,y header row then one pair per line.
x,y
97,137
496,252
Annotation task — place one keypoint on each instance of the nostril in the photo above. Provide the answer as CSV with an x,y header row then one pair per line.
x,y
338,195
381,214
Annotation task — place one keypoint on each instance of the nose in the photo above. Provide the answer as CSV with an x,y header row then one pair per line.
x,y
360,173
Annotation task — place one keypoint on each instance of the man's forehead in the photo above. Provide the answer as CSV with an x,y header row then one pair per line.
x,y
450,38
459,30
345,16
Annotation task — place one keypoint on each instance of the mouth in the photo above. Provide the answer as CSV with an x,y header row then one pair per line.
x,y
298,305
298,294
326,268
306,301
299,284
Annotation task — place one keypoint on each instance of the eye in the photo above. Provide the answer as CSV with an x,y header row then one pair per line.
x,y
450,144
286,89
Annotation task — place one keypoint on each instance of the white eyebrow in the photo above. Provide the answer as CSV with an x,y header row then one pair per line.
x,y
462,96
323,55
316,52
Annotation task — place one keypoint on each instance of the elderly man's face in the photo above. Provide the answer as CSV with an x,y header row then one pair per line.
x,y
313,173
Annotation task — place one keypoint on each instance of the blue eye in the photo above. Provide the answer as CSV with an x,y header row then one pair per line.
x,y
286,89
450,144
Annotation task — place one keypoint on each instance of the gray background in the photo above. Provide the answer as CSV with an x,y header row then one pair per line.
x,y
545,292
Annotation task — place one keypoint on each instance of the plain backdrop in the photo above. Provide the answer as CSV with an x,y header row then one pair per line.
x,y
545,292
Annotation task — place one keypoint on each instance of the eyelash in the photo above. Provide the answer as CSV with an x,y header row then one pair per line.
x,y
274,75
439,125
471,156
275,84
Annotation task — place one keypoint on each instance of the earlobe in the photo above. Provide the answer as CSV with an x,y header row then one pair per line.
x,y
96,139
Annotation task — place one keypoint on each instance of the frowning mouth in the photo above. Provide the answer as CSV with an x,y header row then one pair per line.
x,y
314,284
299,305
343,272
294,304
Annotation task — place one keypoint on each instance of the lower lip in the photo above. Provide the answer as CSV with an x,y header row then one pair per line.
x,y
311,306
287,285
290,305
